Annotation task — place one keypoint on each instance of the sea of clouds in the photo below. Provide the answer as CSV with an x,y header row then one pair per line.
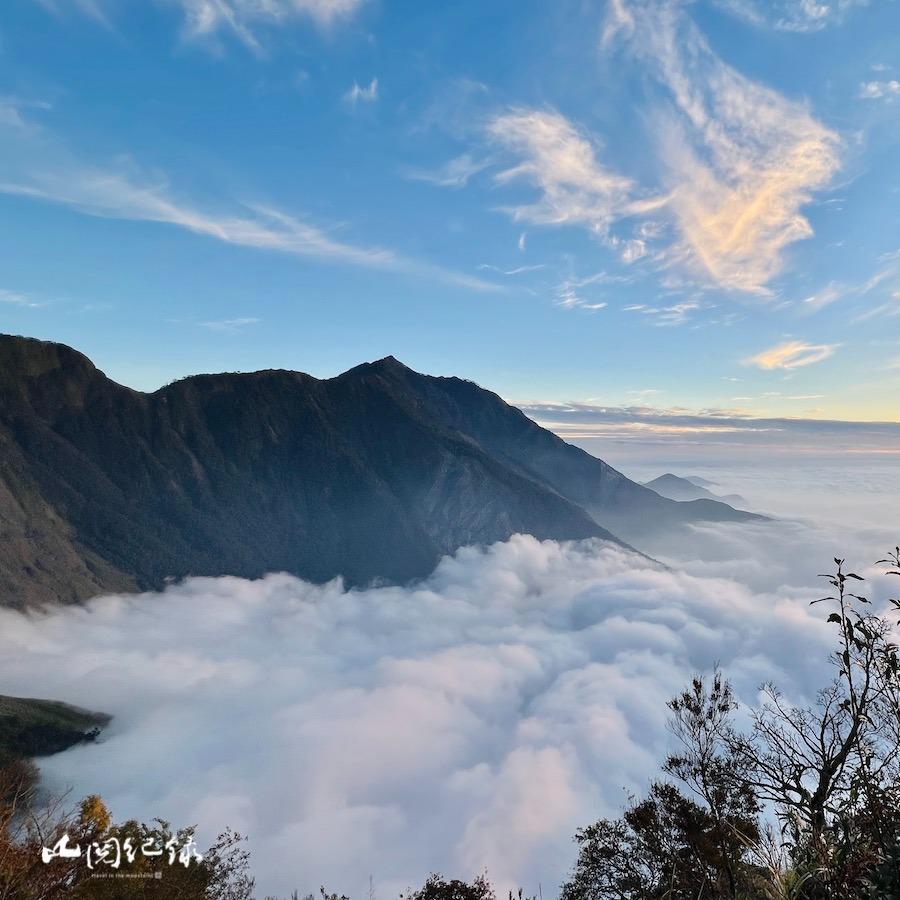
x,y
471,722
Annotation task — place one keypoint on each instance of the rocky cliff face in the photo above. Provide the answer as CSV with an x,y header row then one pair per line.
x,y
373,474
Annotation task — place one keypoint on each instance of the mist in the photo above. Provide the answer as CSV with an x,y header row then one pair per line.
x,y
471,722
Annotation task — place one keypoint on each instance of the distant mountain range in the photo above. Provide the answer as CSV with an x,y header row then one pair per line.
x,y
693,488
373,474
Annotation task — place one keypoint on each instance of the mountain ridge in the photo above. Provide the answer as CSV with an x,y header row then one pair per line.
x,y
372,474
677,488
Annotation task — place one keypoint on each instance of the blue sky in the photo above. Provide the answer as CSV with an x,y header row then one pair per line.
x,y
659,204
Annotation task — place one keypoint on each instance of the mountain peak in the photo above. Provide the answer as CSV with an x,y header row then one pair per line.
x,y
387,365
391,363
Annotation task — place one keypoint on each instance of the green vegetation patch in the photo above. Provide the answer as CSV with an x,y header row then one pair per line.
x,y
30,727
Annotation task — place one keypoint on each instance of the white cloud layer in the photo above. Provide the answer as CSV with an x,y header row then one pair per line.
x,y
472,721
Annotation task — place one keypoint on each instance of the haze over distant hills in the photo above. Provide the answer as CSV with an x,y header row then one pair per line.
x,y
375,473
693,488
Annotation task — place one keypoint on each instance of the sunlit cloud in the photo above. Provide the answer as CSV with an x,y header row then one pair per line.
x,y
738,160
587,420
575,187
742,159
791,355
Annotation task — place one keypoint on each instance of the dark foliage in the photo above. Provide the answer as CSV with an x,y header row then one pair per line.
x,y
437,888
25,830
30,727
829,772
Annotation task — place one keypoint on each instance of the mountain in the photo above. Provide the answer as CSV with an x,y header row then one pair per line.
x,y
703,482
676,488
630,510
40,727
373,474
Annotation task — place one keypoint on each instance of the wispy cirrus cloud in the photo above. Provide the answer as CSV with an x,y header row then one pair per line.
x,y
517,270
454,174
737,160
792,15
241,18
568,297
90,8
14,115
881,283
741,159
40,168
671,314
890,308
108,193
878,90
791,355
574,292
15,298
575,187
831,293
231,324
362,94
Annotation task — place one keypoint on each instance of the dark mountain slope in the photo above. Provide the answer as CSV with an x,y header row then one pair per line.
x,y
629,509
105,488
31,727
